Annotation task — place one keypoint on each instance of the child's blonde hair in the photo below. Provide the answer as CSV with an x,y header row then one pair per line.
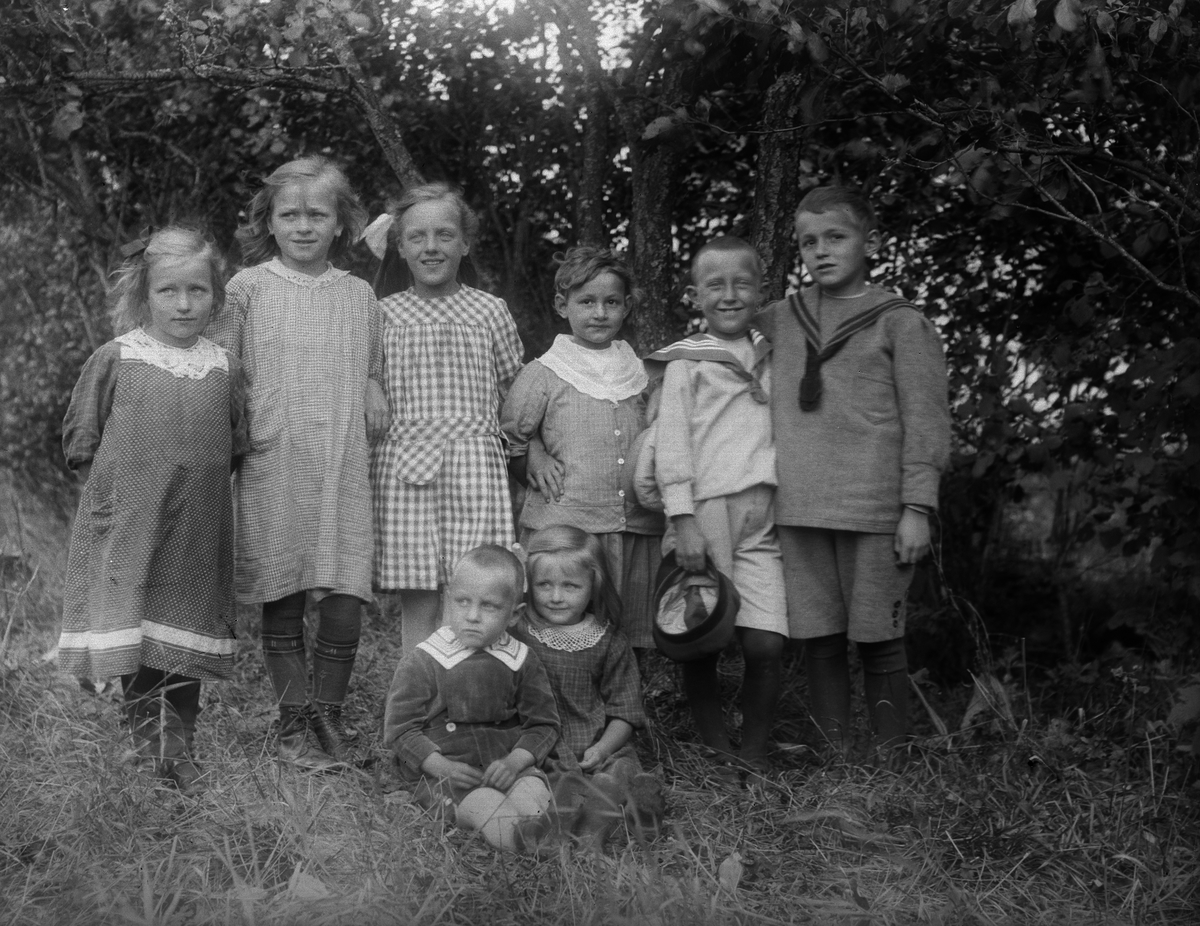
x,y
468,221
581,549
728,244
580,265
129,296
258,244
494,558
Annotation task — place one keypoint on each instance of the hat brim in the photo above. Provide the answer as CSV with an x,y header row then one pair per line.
x,y
710,636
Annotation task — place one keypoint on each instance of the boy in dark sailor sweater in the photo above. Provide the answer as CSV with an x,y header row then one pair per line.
x,y
862,434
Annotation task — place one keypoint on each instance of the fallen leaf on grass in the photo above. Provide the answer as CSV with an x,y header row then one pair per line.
x,y
303,886
729,872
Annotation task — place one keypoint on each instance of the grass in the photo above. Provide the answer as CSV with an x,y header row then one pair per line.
x,y
1088,815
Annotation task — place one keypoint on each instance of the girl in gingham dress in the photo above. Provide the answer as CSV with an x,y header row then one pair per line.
x,y
583,401
451,351
309,338
153,427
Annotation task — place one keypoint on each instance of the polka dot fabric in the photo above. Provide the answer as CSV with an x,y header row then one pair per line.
x,y
150,570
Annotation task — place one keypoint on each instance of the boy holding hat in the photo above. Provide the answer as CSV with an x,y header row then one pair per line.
x,y
715,469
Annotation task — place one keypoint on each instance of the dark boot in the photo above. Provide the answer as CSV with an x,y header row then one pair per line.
x,y
180,708
336,738
142,714
298,743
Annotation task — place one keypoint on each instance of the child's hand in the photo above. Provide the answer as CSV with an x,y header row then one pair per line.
x,y
503,773
459,774
912,537
592,757
378,413
543,472
690,545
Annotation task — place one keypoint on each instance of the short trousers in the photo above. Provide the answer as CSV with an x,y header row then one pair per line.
x,y
844,582
740,530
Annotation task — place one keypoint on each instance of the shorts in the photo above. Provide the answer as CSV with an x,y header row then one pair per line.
x,y
740,530
844,582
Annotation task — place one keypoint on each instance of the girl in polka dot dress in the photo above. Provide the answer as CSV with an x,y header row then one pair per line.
x,y
154,425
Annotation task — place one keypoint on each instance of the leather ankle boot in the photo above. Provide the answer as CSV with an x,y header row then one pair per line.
x,y
336,738
298,743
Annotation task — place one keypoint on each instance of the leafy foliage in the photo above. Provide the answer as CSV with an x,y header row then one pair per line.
x,y
1033,162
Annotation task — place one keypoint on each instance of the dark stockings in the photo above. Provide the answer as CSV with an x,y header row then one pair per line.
x,y
762,652
334,648
162,708
885,676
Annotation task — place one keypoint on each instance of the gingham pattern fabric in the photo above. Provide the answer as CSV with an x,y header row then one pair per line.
x,y
591,686
308,345
150,568
440,480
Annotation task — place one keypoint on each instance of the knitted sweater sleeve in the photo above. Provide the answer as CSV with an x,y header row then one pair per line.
x,y
922,398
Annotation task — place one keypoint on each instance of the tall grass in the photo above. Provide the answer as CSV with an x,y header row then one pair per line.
x,y
1064,819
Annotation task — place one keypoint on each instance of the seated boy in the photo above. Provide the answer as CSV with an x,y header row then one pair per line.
x,y
862,433
715,466
470,713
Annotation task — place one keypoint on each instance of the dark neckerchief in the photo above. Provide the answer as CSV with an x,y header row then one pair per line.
x,y
817,353
706,347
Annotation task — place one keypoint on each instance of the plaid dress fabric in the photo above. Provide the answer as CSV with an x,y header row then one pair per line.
x,y
591,686
308,345
150,569
440,479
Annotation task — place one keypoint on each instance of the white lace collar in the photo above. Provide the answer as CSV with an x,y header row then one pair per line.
x,y
574,638
277,267
610,375
445,647
194,362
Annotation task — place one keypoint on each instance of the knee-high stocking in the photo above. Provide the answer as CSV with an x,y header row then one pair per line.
x,y
283,648
827,664
702,689
885,674
762,651
335,647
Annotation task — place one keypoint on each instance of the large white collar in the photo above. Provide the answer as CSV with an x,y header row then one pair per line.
x,y
444,646
194,362
610,375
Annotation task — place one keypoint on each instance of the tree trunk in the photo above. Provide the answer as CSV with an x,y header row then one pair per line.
x,y
650,233
776,186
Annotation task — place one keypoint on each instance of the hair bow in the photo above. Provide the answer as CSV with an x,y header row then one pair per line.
x,y
376,234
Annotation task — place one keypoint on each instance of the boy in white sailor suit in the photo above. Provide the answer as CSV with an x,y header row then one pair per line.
x,y
470,713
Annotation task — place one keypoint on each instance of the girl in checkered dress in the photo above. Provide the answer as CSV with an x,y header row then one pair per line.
x,y
583,402
308,336
571,624
451,351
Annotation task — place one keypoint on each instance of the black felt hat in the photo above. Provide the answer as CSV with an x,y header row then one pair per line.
x,y
712,631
